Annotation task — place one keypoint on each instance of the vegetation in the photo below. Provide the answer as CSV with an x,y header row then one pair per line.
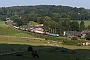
x,y
74,38
74,42
17,41
53,53
46,37
32,23
30,48
82,25
70,42
89,34
6,30
56,19
86,22
36,13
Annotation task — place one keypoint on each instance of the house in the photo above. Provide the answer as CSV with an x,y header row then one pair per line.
x,y
72,33
84,33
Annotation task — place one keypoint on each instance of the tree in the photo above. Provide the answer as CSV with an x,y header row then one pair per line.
x,y
66,24
47,20
30,48
18,22
82,26
32,23
40,20
89,34
60,27
74,26
53,26
25,19
55,16
88,27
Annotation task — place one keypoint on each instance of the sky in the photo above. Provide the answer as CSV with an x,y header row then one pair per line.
x,y
72,3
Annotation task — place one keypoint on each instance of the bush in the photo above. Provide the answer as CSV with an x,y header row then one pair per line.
x,y
83,41
74,38
73,42
70,42
30,48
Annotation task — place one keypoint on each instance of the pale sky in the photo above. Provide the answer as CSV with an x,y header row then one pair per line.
x,y
72,3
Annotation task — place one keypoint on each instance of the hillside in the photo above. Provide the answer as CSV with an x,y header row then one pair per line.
x,y
14,42
6,30
37,12
9,35
54,18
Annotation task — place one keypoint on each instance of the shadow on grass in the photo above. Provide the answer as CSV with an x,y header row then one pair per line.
x,y
10,52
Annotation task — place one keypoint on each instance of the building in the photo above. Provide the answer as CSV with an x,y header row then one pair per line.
x,y
72,33
84,33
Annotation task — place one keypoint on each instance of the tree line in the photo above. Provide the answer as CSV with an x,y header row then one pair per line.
x,y
55,18
62,25
37,12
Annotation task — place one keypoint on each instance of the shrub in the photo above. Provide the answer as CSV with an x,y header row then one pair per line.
x,y
73,42
83,41
30,48
74,38
70,42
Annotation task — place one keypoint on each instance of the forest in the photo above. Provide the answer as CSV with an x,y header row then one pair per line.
x,y
56,19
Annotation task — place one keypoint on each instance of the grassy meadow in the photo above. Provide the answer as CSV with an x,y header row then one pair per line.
x,y
12,40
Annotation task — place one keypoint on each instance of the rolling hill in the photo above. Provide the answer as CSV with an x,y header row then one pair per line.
x,y
6,30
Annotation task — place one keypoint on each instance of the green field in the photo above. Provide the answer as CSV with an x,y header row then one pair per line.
x,y
12,40
86,22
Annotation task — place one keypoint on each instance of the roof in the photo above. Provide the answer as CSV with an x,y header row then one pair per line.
x,y
75,33
85,31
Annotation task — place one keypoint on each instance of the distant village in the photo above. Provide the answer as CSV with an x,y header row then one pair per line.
x,y
40,30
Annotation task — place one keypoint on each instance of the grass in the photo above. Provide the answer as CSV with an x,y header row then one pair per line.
x,y
6,30
14,40
20,40
54,53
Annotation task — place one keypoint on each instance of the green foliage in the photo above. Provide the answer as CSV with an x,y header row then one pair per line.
x,y
30,48
32,23
56,19
73,42
18,22
82,26
83,41
74,38
70,42
89,34
56,13
74,26
88,27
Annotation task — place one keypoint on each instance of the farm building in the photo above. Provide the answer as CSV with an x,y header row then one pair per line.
x,y
84,33
72,33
